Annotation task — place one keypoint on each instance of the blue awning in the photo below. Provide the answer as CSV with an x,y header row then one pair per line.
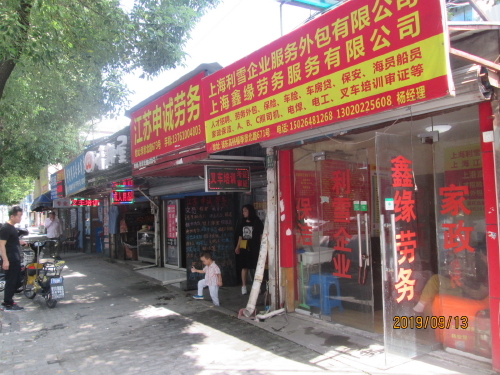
x,y
41,202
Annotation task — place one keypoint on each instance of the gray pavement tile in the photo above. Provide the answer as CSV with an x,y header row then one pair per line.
x,y
116,321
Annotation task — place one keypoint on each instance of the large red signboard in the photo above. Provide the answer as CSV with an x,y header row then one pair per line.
x,y
168,124
363,57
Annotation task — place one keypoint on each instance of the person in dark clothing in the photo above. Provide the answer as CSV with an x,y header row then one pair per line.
x,y
249,234
11,258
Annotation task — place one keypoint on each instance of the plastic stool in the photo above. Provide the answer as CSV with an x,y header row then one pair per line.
x,y
324,281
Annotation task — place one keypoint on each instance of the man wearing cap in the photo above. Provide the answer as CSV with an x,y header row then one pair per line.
x,y
53,227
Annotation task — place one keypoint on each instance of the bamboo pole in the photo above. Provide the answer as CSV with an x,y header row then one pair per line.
x,y
272,208
259,273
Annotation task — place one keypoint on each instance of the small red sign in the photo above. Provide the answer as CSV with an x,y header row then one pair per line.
x,y
82,202
122,196
227,178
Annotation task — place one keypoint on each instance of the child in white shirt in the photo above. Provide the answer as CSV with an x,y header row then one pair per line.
x,y
213,278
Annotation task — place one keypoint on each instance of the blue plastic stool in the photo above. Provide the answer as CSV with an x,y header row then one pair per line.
x,y
324,281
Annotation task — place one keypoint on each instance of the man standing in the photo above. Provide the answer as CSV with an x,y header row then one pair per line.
x,y
53,227
9,250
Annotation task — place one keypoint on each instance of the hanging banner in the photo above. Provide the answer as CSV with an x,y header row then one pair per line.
x,y
358,59
167,124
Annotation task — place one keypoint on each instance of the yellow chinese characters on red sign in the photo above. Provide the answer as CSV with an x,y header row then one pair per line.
x,y
169,123
360,58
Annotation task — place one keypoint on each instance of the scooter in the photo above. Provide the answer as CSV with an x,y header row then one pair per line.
x,y
44,279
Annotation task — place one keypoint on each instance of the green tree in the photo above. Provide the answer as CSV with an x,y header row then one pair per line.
x,y
17,188
62,64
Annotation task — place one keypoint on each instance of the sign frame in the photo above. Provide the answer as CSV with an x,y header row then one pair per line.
x,y
354,61
227,169
117,203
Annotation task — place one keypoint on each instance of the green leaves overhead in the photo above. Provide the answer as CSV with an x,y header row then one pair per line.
x,y
62,64
18,186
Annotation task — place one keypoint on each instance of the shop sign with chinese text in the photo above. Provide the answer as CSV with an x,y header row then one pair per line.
x,y
60,190
109,160
84,202
53,186
168,124
406,227
227,178
62,203
122,196
75,176
74,202
44,179
360,58
172,224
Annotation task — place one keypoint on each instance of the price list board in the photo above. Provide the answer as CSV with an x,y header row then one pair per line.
x,y
209,224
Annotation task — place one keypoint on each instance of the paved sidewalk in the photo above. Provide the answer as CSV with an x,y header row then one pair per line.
x,y
117,321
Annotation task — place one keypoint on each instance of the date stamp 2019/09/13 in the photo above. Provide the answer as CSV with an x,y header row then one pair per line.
x,y
434,322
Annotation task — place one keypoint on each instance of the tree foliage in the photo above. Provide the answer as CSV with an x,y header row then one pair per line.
x,y
62,64
17,188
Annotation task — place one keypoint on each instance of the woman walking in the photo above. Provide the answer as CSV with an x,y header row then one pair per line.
x,y
249,235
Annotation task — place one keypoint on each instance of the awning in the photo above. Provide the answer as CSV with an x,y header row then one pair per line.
x,y
42,202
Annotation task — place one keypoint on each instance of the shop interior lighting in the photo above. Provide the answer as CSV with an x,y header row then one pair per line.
x,y
438,128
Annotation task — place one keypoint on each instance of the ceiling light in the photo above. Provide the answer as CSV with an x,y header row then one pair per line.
x,y
438,128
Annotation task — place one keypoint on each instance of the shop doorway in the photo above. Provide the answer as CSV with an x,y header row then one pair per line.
x,y
405,184
337,249
403,204
172,245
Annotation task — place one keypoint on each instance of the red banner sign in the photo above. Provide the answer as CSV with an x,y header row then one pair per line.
x,y
171,221
360,58
60,190
170,123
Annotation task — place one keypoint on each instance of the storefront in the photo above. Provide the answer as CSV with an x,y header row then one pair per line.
x,y
94,183
194,220
379,214
169,153
387,213
108,174
167,142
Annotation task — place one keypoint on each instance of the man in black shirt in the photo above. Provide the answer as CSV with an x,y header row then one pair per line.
x,y
9,251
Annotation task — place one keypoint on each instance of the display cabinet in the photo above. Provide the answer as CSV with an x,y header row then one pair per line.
x,y
146,251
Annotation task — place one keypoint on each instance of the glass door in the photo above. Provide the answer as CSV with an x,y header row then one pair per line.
x,y
334,239
405,177
459,292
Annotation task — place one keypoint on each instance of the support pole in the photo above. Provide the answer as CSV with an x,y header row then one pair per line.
x,y
259,273
272,208
268,243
